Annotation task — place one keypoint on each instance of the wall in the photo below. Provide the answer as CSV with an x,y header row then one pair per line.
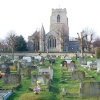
x,y
43,54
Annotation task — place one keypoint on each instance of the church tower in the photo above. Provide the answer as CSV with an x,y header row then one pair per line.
x,y
59,20
59,24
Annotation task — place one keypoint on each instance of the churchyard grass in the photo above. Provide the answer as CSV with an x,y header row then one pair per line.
x,y
92,73
26,82
71,87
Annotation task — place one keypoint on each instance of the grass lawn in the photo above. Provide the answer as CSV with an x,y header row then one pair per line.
x,y
23,89
71,87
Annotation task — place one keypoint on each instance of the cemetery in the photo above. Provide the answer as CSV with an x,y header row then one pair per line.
x,y
49,78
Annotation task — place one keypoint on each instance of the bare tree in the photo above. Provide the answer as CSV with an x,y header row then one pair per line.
x,y
3,45
62,37
88,35
10,41
96,42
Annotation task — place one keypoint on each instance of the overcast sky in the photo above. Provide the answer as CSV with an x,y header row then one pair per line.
x,y
25,16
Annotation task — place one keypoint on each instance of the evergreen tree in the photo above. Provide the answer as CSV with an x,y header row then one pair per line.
x,y
20,44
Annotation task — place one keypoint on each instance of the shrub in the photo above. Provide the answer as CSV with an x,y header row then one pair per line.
x,y
98,53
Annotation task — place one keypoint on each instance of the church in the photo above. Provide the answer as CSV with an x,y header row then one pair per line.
x,y
57,39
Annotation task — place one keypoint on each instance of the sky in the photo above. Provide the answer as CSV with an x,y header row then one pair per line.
x,y
25,16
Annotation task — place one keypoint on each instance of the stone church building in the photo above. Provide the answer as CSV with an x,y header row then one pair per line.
x,y
57,39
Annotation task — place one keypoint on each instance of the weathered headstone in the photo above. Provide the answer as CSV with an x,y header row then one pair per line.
x,y
67,58
3,70
34,79
44,79
68,61
49,70
42,61
3,66
29,59
52,61
63,91
25,72
35,67
13,68
11,78
93,66
7,70
62,57
83,61
78,75
98,65
90,89
72,66
64,63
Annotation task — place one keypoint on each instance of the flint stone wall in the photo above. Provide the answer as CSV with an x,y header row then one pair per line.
x,y
88,89
11,79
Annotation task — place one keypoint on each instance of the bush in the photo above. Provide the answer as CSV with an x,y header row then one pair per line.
x,y
98,53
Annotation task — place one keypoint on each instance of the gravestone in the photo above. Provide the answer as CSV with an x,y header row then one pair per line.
x,y
25,72
5,94
76,56
52,61
89,62
78,75
62,57
3,66
54,57
64,63
68,61
44,79
98,65
82,60
67,58
47,57
93,66
11,78
19,66
90,89
42,61
72,66
29,59
34,79
63,91
43,71
7,70
13,68
25,63
3,70
49,66
35,67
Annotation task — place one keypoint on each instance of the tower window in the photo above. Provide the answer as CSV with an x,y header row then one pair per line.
x,y
58,18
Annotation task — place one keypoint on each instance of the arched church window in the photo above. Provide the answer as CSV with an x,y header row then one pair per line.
x,y
55,42
50,43
58,18
38,45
